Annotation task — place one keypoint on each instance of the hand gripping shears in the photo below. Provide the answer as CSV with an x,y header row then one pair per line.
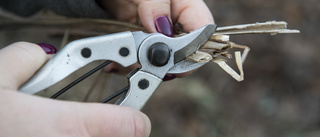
x,y
156,53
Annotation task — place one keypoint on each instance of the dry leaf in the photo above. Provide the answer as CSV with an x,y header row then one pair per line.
x,y
218,45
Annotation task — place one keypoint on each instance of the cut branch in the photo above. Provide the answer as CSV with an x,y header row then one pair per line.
x,y
272,27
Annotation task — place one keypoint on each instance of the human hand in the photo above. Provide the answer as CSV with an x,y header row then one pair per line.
x,y
159,15
29,116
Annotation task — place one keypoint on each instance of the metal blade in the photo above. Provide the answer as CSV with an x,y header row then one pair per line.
x,y
200,37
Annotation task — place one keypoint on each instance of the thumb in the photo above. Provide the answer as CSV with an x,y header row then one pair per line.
x,y
19,61
155,15
114,121
191,14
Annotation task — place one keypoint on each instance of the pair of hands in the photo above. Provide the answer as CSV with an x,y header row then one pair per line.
x,y
27,115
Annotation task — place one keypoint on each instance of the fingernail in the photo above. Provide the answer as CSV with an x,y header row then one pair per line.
x,y
163,25
169,77
48,48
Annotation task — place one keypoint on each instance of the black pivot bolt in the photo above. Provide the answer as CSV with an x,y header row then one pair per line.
x,y
159,54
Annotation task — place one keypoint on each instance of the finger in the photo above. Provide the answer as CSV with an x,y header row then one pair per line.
x,y
117,68
149,13
123,10
192,14
114,121
66,118
19,61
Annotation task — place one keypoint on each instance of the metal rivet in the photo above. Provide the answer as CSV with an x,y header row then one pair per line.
x,y
86,52
143,84
124,52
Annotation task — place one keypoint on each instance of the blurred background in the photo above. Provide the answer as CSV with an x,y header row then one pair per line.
x,y
279,97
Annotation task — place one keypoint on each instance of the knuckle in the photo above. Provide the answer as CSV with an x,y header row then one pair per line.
x,y
167,2
29,52
140,126
26,49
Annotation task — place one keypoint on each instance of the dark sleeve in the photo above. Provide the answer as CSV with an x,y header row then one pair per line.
x,y
70,8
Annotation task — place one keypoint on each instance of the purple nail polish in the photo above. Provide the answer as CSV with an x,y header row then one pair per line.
x,y
169,77
48,48
163,25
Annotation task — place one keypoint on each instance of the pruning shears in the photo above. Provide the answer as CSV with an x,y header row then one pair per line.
x,y
156,53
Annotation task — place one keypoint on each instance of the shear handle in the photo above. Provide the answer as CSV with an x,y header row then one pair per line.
x,y
144,82
118,47
142,86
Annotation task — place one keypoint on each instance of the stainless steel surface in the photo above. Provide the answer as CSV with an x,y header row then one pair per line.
x,y
137,97
185,66
108,47
69,59
193,41
139,36
180,47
